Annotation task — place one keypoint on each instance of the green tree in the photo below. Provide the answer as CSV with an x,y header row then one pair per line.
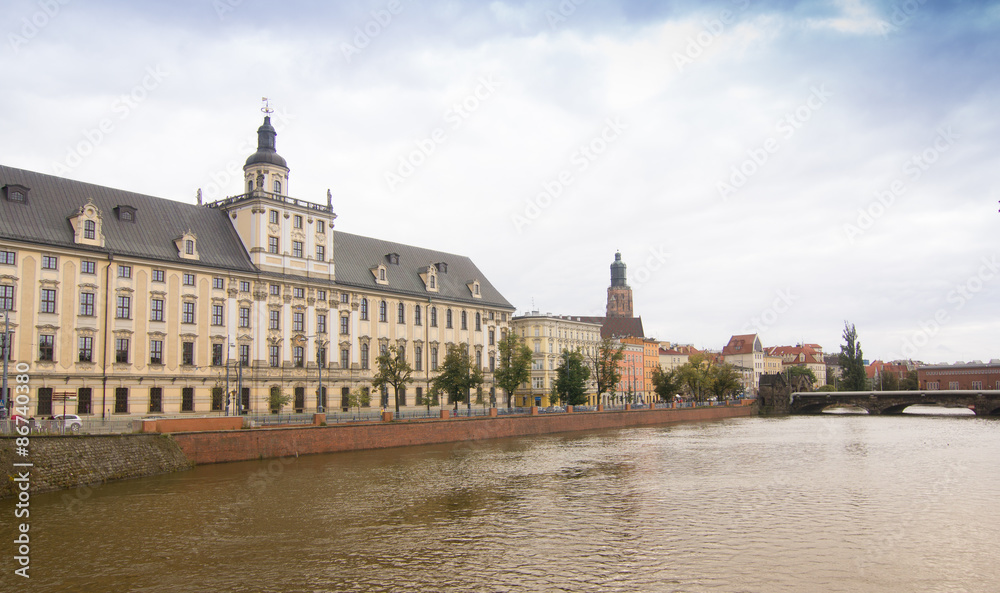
x,y
886,381
666,384
392,370
801,371
360,396
852,361
724,380
571,378
910,383
694,376
605,361
277,400
514,366
458,375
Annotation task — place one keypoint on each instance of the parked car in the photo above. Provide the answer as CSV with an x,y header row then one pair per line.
x,y
70,422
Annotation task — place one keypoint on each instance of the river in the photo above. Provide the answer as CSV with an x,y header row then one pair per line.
x,y
799,504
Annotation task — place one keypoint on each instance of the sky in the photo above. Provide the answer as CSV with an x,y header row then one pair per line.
x,y
778,168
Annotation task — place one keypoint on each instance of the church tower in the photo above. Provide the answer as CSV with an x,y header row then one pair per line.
x,y
619,293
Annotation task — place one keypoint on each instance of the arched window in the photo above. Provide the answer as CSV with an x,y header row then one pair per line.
x,y
416,315
382,311
465,320
447,318
364,356
277,186
381,274
433,282
479,319
434,317
401,313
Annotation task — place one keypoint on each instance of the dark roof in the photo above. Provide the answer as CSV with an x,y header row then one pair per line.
x,y
44,219
266,149
355,256
618,327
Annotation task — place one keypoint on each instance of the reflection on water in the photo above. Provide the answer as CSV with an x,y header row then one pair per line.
x,y
803,504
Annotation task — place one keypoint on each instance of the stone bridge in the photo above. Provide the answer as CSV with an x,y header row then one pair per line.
x,y
983,403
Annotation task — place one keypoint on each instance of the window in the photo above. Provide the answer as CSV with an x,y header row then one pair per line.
x,y
157,275
187,399
434,317
345,358
320,295
401,313
188,279
296,248
83,399
479,359
320,226
274,290
86,353
244,286
187,353
321,252
46,344
88,267
9,258
156,352
479,319
298,356
156,310
277,186
538,382
188,247
977,384
272,245
187,312
491,315
244,355
418,358
275,319
296,220
953,385
124,307
155,399
244,316
382,310
433,282
217,395
299,293
447,318
465,320
364,356
321,323
274,356
344,325
121,350
434,358
364,309
218,283
344,297
44,401
272,217
492,335
493,363
50,262
48,301
298,321
381,274
121,400
217,315
87,304
217,355
89,229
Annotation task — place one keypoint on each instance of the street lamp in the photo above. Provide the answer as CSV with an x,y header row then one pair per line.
x,y
320,362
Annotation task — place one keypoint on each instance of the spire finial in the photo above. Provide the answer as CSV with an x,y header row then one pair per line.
x,y
329,199
267,107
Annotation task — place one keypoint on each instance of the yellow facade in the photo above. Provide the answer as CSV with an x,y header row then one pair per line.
x,y
547,336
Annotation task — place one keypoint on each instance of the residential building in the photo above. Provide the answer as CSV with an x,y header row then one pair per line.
x,y
746,354
547,335
804,355
632,387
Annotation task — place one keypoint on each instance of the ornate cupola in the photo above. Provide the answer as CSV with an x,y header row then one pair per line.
x,y
265,170
619,293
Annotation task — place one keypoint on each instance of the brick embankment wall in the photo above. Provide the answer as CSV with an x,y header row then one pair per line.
x,y
241,445
61,462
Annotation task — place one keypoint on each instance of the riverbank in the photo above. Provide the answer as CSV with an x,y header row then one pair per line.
x,y
60,462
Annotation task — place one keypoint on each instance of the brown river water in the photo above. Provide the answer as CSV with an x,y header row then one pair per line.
x,y
799,504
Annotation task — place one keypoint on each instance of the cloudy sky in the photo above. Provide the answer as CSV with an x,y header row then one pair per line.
x,y
776,167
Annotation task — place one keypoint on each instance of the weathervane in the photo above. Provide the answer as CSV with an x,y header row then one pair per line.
x,y
267,106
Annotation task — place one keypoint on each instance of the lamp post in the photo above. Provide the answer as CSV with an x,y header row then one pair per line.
x,y
320,363
3,353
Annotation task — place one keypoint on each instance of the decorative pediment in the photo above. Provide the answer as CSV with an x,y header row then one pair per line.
x,y
87,225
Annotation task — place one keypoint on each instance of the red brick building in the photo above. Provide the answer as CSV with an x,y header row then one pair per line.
x,y
964,376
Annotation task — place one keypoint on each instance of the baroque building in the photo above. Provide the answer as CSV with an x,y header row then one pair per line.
x,y
547,336
128,304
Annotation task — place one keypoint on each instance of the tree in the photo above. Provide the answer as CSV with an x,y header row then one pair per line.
x,y
514,366
666,384
571,378
800,371
724,380
852,361
887,381
277,400
458,375
910,383
607,373
361,396
694,375
392,370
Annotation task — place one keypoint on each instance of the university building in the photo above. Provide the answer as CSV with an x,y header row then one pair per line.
x,y
127,304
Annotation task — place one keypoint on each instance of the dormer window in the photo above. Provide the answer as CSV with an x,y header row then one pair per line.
x,y
441,267
433,282
187,246
381,274
474,289
392,258
16,193
86,225
125,213
89,229
429,276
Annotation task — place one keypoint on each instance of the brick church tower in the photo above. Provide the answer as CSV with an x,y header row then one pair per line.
x,y
619,293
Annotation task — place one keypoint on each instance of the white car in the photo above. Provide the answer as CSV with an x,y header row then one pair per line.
x,y
69,422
